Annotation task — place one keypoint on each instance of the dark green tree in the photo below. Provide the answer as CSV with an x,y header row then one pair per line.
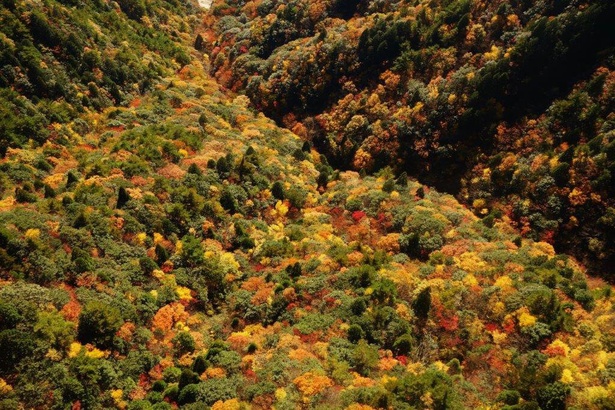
x,y
98,323
122,197
422,304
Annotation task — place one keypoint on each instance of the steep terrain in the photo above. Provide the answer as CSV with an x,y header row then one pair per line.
x,y
177,248
506,104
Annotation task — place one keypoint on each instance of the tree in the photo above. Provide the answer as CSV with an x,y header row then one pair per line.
x,y
134,9
162,255
184,343
355,333
192,252
199,43
223,167
553,396
278,191
98,323
122,198
228,201
364,357
15,345
422,304
52,327
310,383
412,389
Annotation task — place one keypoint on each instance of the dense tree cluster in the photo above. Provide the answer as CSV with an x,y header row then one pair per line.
x,y
181,250
57,61
439,89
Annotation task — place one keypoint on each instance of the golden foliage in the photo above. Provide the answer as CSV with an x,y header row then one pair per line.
x,y
525,318
232,404
74,349
167,316
310,383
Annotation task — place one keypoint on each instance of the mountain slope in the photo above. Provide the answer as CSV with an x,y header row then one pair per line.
x,y
446,90
59,61
182,250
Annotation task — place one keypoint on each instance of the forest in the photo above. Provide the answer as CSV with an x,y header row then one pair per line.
x,y
504,104
337,204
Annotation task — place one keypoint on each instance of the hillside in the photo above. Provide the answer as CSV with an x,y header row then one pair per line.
x,y
176,248
508,105
60,61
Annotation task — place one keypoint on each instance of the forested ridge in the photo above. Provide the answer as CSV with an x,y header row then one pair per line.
x,y
165,244
506,104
